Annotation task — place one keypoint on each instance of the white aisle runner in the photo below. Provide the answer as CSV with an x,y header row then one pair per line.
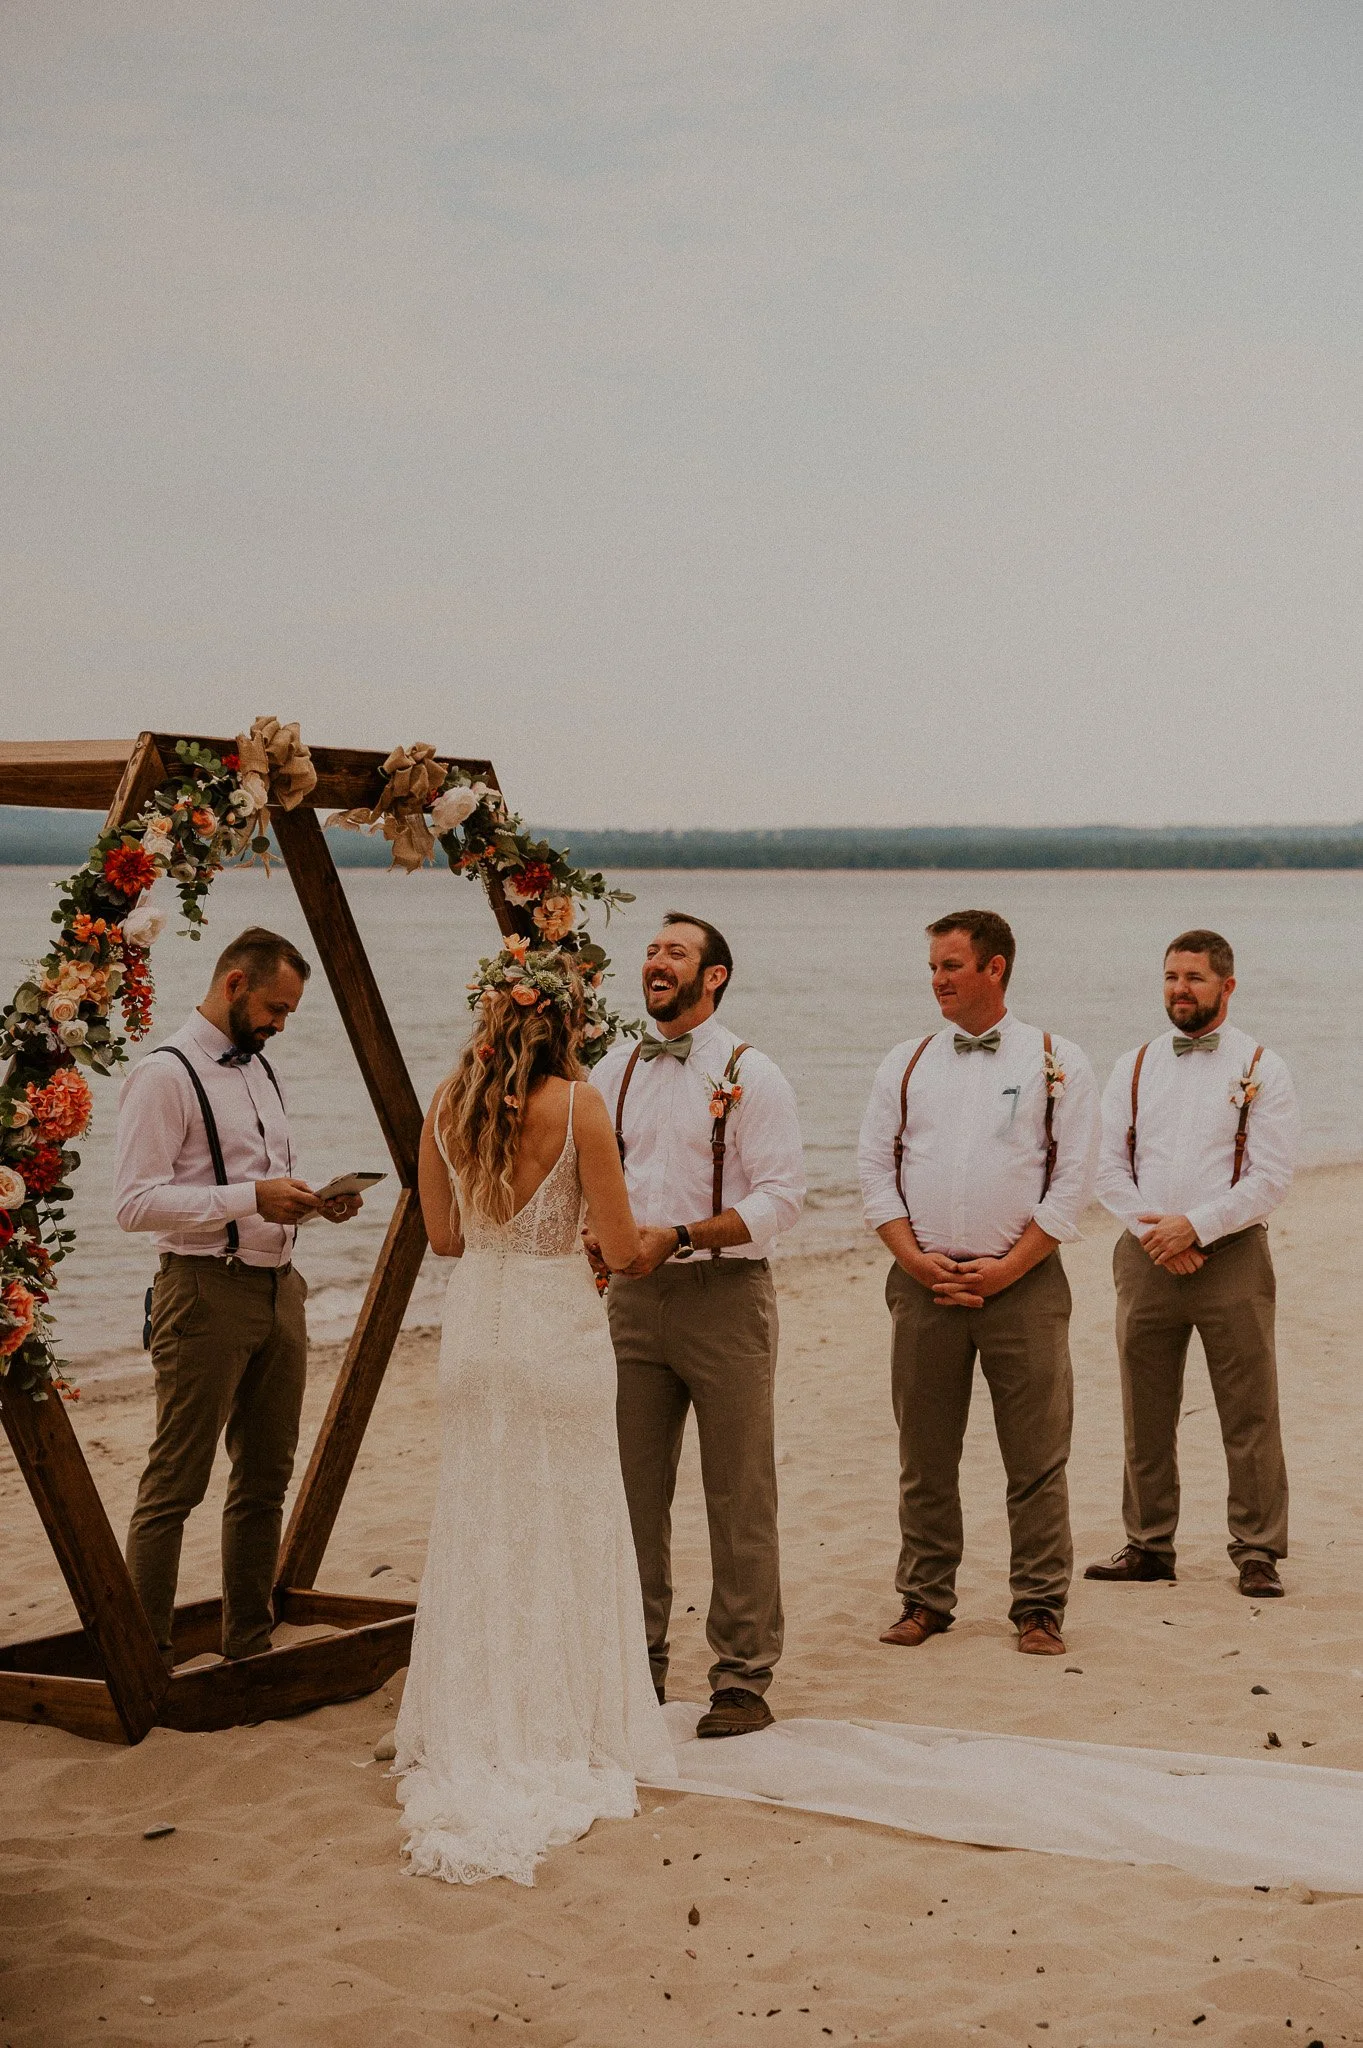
x,y
1232,1819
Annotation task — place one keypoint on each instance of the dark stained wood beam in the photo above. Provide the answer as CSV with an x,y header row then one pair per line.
x,y
65,1495
85,775
341,951
290,1680
82,1706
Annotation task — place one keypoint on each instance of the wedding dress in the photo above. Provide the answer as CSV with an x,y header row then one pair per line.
x,y
529,1709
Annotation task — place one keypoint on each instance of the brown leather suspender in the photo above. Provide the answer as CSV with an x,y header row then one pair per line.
x,y
1135,1099
718,1134
1051,1147
625,1080
1243,1126
1241,1129
904,1118
719,1125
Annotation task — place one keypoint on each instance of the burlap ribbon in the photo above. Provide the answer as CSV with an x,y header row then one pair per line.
x,y
413,778
275,767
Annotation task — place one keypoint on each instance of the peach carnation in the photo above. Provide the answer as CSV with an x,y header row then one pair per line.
x,y
16,1307
62,1109
555,917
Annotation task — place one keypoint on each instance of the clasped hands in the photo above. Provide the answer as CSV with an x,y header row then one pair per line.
x,y
962,1283
655,1247
289,1201
1171,1242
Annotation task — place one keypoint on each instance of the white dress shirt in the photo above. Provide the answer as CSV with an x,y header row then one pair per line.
x,y
975,1142
669,1168
1185,1137
163,1172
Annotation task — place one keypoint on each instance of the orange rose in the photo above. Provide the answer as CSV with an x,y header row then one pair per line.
x,y
526,996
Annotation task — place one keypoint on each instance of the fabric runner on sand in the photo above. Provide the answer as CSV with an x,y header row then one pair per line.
x,y
1231,1819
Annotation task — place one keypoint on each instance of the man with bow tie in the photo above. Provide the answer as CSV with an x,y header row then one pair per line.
x,y
205,1162
710,1138
977,1156
1199,1144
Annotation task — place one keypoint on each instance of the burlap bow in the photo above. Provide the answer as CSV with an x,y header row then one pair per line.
x,y
413,780
275,767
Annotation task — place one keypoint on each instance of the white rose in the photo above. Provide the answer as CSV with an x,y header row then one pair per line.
x,y
72,1033
241,801
13,1193
144,926
61,1009
450,810
19,1115
159,828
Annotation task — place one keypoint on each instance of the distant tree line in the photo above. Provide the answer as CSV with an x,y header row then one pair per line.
x,y
45,838
975,846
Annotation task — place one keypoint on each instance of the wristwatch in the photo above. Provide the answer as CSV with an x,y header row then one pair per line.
x,y
685,1248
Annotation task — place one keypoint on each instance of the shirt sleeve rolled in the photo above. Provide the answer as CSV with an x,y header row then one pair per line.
x,y
768,1142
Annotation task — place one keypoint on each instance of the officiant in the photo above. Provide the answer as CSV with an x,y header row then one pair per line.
x,y
714,1165
205,1163
977,1156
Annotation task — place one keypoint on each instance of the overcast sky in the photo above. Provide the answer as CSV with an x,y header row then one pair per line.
x,y
729,414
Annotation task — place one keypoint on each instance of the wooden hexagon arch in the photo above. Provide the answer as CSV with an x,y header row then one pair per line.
x,y
106,1679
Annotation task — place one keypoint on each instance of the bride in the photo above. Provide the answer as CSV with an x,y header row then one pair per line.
x,y
529,1710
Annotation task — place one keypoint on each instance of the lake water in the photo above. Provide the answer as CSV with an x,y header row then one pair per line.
x,y
830,973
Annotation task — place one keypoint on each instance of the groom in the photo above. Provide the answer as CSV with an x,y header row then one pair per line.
x,y
710,1139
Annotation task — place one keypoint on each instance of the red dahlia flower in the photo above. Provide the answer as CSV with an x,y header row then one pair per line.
x,y
129,870
41,1169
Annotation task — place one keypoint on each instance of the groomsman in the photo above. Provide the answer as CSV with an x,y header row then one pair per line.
x,y
977,1157
1199,1145
710,1138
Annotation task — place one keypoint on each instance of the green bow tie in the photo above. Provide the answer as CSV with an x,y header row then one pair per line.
x,y
675,1048
988,1043
1207,1043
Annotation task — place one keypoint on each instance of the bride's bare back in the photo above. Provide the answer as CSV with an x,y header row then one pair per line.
x,y
544,1132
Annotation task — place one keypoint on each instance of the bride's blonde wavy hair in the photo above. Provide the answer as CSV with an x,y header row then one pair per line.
x,y
481,1116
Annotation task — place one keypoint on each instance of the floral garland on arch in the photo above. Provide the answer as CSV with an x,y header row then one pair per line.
x,y
61,1018
213,810
545,897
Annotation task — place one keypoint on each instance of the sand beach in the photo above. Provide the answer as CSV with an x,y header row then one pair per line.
x,y
277,1913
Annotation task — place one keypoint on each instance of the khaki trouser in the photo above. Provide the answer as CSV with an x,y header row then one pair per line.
x,y
230,1349
1021,1338
703,1334
1230,1303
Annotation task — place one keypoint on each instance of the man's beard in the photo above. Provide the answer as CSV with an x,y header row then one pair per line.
x,y
663,1009
1192,1026
241,1031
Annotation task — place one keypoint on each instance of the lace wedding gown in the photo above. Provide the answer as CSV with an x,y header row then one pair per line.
x,y
529,1708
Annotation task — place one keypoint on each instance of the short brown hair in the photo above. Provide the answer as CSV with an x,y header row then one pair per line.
x,y
1220,958
714,947
988,933
259,954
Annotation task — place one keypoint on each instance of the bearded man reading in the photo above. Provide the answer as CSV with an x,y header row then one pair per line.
x,y
205,1162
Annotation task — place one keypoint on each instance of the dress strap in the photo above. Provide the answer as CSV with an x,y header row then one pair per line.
x,y
570,1142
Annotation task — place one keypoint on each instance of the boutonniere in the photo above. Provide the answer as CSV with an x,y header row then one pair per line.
x,y
727,1092
1055,1077
1245,1090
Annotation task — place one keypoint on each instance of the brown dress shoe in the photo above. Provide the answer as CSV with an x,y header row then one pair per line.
x,y
1131,1565
915,1625
1259,1580
734,1711
1039,1634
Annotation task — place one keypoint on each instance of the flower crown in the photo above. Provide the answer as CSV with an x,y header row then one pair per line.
x,y
542,977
